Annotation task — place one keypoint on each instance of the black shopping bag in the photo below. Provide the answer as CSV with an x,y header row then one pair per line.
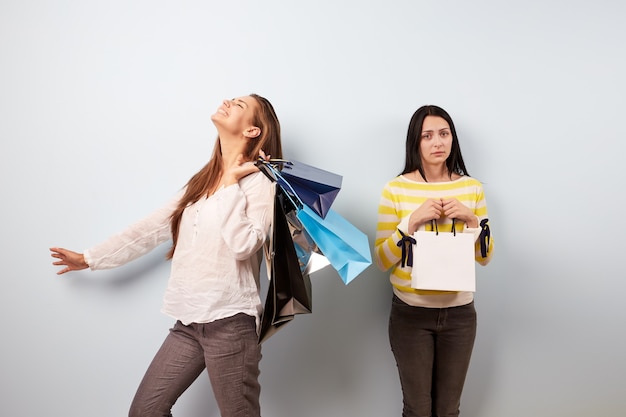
x,y
289,290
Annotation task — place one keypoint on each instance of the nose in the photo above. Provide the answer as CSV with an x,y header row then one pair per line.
x,y
226,103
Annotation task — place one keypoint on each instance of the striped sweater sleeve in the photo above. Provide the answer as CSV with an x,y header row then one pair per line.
x,y
399,199
387,253
484,243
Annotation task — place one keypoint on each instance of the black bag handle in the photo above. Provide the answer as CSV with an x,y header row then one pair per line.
x,y
434,228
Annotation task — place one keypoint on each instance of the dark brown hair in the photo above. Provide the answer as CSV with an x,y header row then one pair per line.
x,y
413,159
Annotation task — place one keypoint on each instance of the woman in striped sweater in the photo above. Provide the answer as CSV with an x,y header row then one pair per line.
x,y
431,332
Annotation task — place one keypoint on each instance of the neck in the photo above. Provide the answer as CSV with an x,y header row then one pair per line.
x,y
436,173
230,148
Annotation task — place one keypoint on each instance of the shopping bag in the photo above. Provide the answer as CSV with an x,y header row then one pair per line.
x,y
443,261
310,256
316,187
346,247
289,290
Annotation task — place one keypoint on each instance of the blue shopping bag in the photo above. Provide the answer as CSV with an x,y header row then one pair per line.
x,y
345,247
316,187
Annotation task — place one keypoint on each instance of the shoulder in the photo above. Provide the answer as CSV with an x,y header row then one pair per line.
x,y
255,177
470,181
256,180
397,182
394,185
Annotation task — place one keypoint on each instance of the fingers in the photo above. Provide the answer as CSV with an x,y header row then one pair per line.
x,y
238,170
56,251
454,209
239,162
430,210
436,206
248,168
449,208
72,261
62,263
57,254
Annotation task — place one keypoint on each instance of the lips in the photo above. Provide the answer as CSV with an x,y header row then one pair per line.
x,y
222,112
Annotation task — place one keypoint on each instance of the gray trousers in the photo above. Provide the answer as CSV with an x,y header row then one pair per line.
x,y
227,348
432,347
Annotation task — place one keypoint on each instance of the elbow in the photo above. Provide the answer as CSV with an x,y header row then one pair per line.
x,y
380,263
243,249
244,253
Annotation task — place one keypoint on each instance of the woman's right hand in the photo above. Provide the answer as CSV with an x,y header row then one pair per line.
x,y
73,261
431,209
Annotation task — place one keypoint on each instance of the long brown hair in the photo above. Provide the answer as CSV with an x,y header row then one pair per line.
x,y
206,179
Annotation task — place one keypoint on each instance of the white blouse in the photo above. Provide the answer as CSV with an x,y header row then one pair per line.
x,y
215,267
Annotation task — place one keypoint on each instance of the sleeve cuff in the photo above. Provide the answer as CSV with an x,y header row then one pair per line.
x,y
87,258
403,226
475,230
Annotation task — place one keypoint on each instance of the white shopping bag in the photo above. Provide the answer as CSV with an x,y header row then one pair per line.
x,y
443,261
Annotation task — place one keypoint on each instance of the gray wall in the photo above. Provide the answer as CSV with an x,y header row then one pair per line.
x,y
104,114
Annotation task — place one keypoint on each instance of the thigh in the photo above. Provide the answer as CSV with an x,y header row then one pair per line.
x,y
232,355
411,335
454,346
176,365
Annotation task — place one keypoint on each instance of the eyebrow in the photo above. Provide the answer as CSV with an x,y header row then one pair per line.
x,y
240,101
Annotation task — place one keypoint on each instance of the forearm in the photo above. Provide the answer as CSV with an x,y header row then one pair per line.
x,y
133,242
246,215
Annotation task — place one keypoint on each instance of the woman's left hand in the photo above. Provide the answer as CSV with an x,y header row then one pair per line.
x,y
240,168
454,209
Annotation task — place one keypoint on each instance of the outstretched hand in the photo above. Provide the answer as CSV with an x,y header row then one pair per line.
x,y
73,261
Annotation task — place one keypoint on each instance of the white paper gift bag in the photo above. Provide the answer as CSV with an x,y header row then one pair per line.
x,y
443,261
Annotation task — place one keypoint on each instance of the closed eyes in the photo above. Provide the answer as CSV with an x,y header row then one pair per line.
x,y
239,103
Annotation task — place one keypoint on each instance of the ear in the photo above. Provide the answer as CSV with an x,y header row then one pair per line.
x,y
252,132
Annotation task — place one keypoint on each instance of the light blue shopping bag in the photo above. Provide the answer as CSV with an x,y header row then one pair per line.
x,y
345,247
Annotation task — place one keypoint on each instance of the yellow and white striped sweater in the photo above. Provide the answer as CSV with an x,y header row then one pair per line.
x,y
400,197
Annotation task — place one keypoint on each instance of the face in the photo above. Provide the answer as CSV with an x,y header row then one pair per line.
x,y
235,116
436,141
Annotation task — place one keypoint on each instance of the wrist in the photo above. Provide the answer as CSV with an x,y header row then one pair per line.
x,y
473,222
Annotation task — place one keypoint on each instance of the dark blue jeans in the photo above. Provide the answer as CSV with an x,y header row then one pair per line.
x,y
227,348
432,347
